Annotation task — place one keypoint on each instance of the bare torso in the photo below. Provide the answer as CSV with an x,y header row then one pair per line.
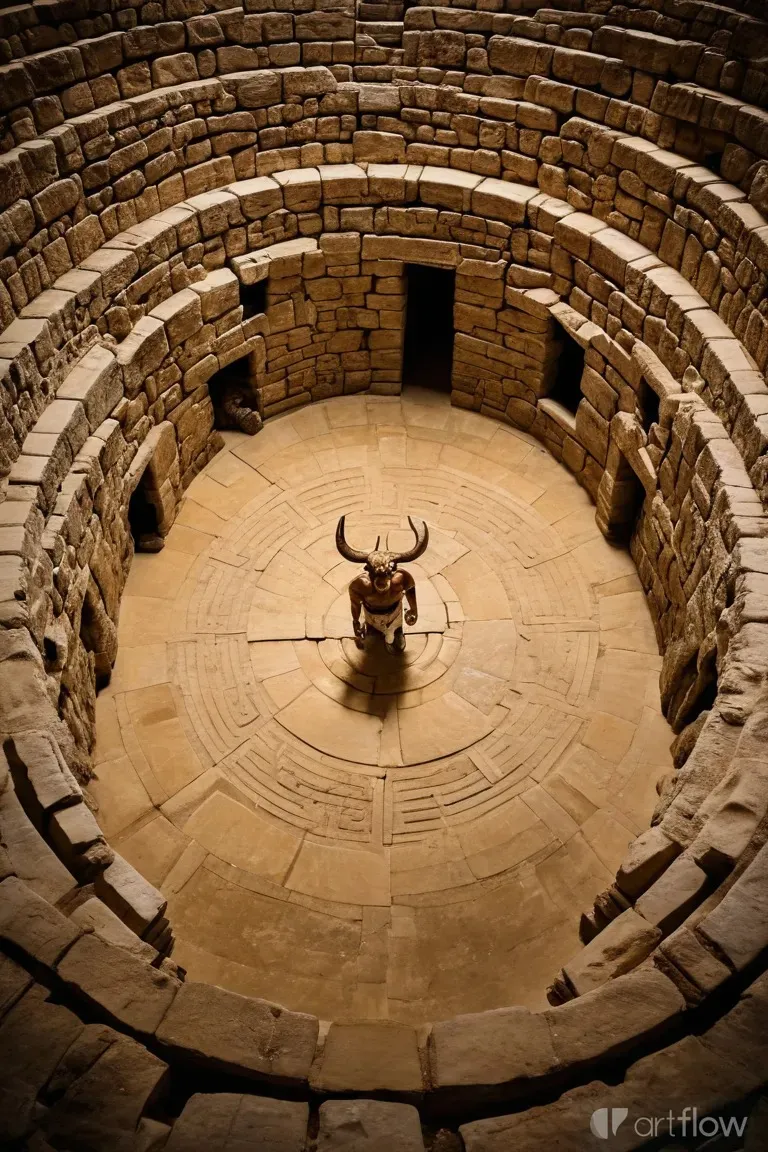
x,y
362,591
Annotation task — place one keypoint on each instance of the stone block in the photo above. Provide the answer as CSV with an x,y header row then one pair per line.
x,y
676,893
326,25
36,756
55,201
621,946
646,859
258,197
168,71
308,81
255,90
31,858
378,147
685,953
340,248
684,1071
369,1057
379,98
117,267
368,1126
96,383
129,895
600,1025
733,812
228,1122
94,916
37,1033
127,990
738,925
219,292
448,188
443,253
103,1106
239,1034
181,314
73,831
32,925
142,351
487,1055
502,200
611,251
14,982
302,189
592,430
738,1037
343,183
64,419
519,57
441,49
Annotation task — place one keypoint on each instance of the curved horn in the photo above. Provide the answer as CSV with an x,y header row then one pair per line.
x,y
348,553
422,539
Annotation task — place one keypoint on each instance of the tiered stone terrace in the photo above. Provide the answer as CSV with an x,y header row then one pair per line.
x,y
599,175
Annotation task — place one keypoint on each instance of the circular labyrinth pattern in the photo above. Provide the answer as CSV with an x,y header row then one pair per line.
x,y
297,797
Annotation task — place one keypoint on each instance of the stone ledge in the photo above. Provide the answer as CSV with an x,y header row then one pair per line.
x,y
239,1034
376,1057
125,989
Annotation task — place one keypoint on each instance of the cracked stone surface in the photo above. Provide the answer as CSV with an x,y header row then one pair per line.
x,y
356,834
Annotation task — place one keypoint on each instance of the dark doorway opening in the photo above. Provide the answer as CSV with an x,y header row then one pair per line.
x,y
627,497
253,298
143,521
428,350
566,388
236,400
649,405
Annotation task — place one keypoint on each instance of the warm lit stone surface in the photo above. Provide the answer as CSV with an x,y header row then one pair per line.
x,y
348,833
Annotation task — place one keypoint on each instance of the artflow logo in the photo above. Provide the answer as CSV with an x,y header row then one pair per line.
x,y
605,1122
603,1117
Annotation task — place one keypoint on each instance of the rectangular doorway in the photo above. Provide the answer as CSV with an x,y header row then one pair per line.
x,y
428,348
566,386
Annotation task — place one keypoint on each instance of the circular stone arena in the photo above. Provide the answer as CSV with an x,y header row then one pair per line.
x,y
360,833
497,265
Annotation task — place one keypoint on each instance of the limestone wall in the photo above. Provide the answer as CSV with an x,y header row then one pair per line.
x,y
598,176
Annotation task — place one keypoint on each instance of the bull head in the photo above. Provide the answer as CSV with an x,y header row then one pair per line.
x,y
383,563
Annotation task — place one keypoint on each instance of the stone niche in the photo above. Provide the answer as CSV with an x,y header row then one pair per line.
x,y
153,488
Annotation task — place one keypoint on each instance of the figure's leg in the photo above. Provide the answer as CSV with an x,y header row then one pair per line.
x,y
395,638
398,642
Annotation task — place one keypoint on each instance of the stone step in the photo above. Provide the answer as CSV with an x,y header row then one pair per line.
x,y
384,10
385,32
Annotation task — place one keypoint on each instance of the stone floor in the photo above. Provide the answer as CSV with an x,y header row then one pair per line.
x,y
355,834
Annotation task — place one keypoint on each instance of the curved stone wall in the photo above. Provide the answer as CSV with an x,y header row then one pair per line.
x,y
596,174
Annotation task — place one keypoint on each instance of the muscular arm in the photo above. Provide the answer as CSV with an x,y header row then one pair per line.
x,y
355,602
409,589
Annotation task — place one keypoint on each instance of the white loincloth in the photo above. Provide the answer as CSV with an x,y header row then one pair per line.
x,y
387,622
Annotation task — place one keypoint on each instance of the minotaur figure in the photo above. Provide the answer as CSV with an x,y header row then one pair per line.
x,y
378,592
